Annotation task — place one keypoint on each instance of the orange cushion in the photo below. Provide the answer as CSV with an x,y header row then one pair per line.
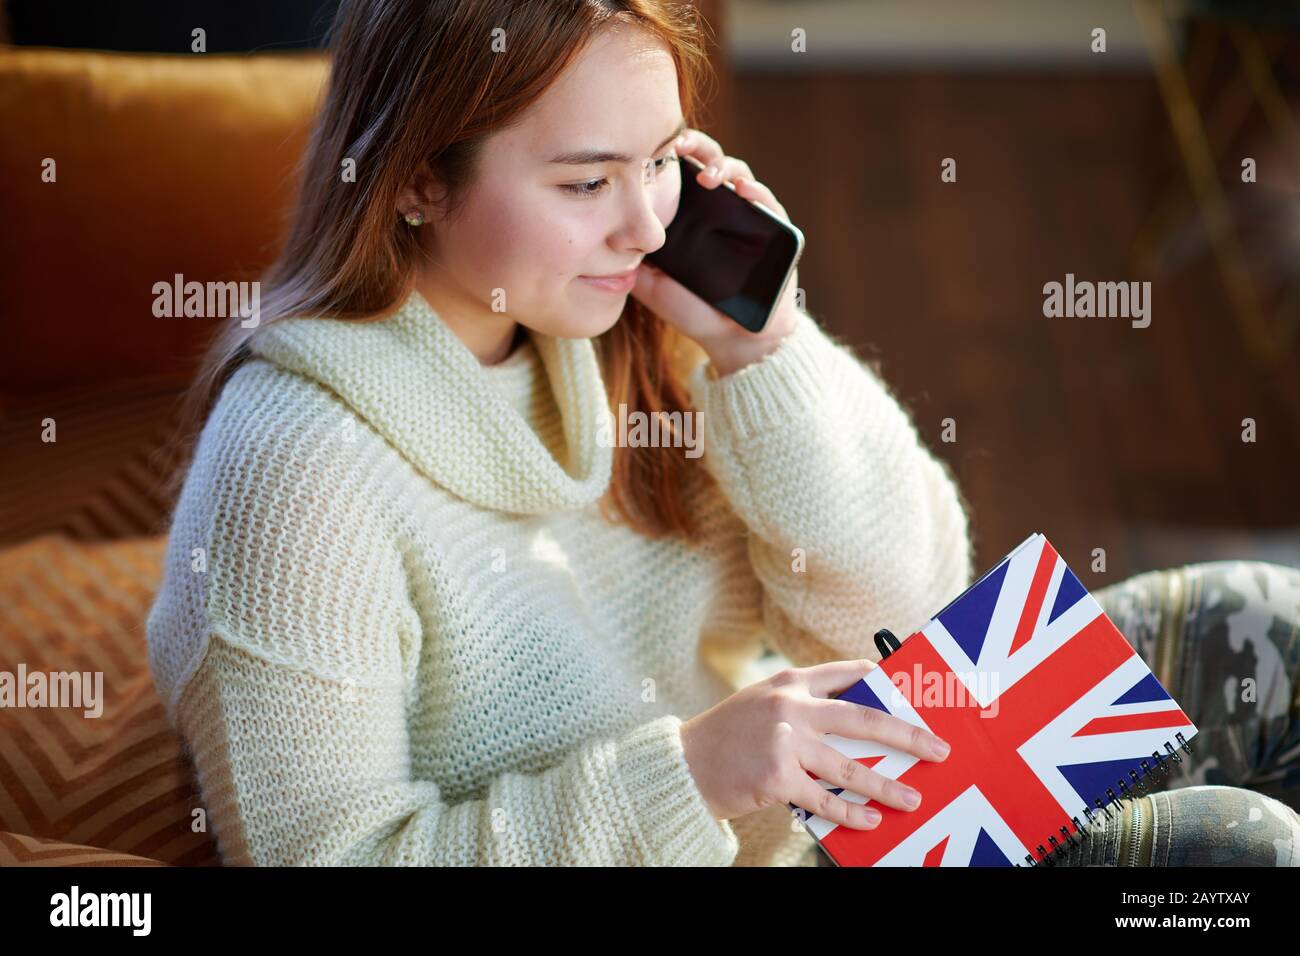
x,y
120,781
105,475
165,164
19,850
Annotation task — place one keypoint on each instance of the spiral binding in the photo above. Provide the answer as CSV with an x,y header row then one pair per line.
x,y
1060,849
887,643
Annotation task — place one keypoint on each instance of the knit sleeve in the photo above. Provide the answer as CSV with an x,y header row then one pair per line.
x,y
306,647
849,524
287,644
298,770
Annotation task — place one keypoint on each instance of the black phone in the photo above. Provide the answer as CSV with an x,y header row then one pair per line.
x,y
733,253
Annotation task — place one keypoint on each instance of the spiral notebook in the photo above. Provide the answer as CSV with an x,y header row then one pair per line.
x,y
1052,716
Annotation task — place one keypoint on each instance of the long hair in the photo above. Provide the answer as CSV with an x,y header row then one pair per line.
x,y
414,82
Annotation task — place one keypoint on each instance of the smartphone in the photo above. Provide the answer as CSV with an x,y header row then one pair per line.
x,y
733,253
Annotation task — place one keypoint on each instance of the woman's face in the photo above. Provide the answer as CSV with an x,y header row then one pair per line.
x,y
531,228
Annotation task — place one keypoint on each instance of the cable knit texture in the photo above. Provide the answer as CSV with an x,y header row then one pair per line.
x,y
395,629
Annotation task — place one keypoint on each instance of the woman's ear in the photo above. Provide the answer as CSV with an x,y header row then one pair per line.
x,y
423,194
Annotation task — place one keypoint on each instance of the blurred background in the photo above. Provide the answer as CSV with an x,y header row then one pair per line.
x,y
1121,164
1125,165
1110,140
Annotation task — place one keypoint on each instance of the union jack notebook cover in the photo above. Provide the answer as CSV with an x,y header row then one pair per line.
x,y
1046,705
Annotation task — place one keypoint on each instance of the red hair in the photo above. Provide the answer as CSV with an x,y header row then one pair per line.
x,y
415,82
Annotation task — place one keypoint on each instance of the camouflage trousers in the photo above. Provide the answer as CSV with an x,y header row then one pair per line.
x,y
1223,637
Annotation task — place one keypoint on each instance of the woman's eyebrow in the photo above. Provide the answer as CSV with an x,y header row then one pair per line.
x,y
590,157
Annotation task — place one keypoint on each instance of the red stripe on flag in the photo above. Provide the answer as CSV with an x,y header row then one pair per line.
x,y
1034,601
1123,722
935,856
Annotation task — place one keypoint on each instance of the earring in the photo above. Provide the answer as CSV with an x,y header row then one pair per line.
x,y
415,218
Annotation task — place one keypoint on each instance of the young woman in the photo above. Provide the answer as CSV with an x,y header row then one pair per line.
x,y
416,608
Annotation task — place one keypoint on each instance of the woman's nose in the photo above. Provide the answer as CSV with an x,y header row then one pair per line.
x,y
643,228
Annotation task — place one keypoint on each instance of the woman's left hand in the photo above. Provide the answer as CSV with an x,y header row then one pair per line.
x,y
729,345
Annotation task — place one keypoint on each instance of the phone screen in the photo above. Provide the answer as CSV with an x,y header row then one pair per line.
x,y
732,253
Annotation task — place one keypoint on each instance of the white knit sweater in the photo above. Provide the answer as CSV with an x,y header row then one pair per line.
x,y
394,628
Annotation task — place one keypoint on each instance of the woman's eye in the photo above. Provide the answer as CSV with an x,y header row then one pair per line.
x,y
586,189
594,187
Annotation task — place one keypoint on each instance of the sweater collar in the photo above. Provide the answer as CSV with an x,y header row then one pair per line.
x,y
412,378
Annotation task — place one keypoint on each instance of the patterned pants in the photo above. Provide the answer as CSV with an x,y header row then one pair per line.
x,y
1224,639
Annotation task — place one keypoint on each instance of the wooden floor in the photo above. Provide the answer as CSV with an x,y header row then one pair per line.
x,y
1096,433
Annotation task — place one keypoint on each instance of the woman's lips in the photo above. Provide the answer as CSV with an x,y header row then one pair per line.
x,y
619,285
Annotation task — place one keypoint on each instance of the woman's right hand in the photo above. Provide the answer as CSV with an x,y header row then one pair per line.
x,y
754,748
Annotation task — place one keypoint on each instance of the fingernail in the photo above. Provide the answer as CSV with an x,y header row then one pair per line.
x,y
872,815
712,171
912,799
941,749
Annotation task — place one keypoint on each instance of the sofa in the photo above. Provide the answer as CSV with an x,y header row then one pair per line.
x,y
118,170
